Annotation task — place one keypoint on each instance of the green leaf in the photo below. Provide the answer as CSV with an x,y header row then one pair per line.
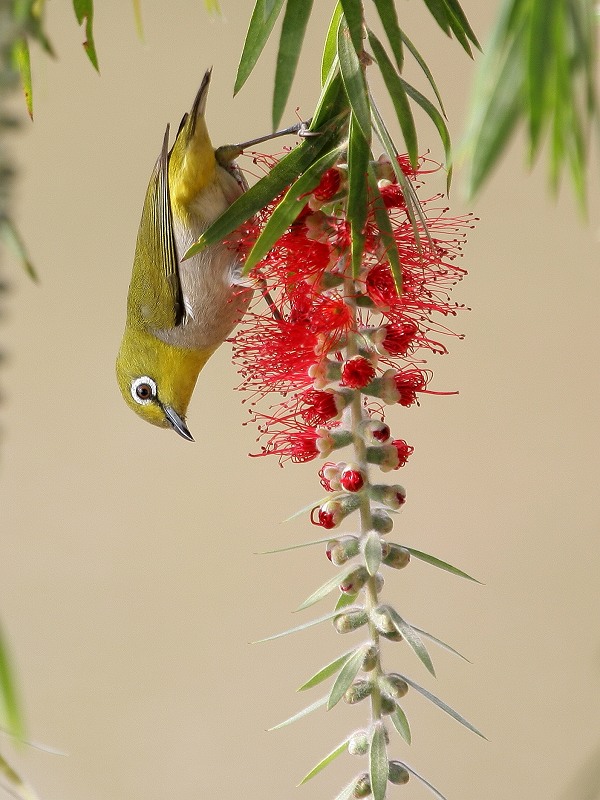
x,y
11,237
17,785
212,6
444,706
347,674
457,17
426,783
372,552
262,21
413,639
400,722
298,628
347,791
22,63
353,14
326,672
539,53
437,562
382,218
330,48
294,546
439,123
439,13
389,20
378,762
84,10
137,13
327,587
345,600
440,642
356,208
259,195
354,81
10,713
421,62
397,93
325,761
299,715
289,207
295,20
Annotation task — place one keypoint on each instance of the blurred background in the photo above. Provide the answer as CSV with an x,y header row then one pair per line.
x,y
129,584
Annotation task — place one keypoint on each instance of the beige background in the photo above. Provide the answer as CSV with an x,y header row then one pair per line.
x,y
129,584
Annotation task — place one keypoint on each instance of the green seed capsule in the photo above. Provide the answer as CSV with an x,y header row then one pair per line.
x,y
397,557
395,685
358,691
362,787
397,773
350,621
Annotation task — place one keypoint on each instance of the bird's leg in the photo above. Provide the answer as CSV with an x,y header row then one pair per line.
x,y
227,152
269,300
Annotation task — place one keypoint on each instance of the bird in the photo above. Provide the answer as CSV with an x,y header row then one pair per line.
x,y
179,312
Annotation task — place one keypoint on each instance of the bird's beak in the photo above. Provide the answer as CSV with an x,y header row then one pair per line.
x,y
177,423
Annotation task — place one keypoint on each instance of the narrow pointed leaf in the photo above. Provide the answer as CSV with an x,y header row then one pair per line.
x,y
378,762
283,173
356,210
298,628
84,10
373,552
330,48
347,674
300,714
354,81
397,93
295,20
212,6
306,508
382,218
437,9
353,13
421,62
293,547
540,47
327,587
18,787
458,22
437,120
345,600
444,706
326,672
325,762
413,639
437,562
400,722
22,62
11,237
347,791
440,642
137,13
289,207
389,20
10,714
425,782
262,21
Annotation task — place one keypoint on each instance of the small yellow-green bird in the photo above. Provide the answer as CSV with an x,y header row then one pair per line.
x,y
179,312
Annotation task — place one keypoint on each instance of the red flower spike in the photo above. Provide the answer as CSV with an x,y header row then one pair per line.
x,y
352,479
328,185
318,407
357,372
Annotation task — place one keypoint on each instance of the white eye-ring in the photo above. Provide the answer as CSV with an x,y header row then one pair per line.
x,y
143,390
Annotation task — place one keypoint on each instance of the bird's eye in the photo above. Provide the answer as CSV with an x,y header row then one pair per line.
x,y
143,390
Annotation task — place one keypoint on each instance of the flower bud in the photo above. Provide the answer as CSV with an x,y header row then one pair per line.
x,y
341,550
391,496
371,658
355,581
357,372
384,388
389,456
350,620
332,512
394,685
397,773
332,439
374,431
382,619
362,787
324,372
388,705
381,521
352,478
392,636
397,558
358,744
358,691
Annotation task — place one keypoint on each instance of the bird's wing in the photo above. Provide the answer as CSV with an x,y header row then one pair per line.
x,y
156,264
